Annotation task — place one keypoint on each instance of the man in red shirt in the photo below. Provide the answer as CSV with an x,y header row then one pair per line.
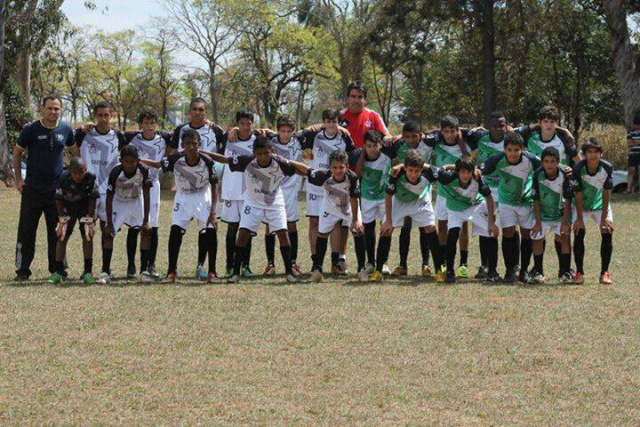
x,y
358,119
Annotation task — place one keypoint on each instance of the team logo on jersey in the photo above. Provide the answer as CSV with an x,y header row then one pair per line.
x,y
368,123
92,148
344,123
59,137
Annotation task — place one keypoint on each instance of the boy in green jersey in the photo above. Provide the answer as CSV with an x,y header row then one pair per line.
x,y
548,133
552,194
594,178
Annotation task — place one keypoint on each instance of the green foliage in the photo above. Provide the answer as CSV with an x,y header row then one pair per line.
x,y
16,110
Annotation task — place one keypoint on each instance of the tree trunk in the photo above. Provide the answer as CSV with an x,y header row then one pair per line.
x,y
24,75
488,57
212,92
627,68
5,157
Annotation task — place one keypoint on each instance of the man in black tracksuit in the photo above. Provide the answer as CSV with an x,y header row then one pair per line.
x,y
44,141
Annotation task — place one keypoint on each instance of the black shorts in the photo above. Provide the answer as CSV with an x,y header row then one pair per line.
x,y
634,160
75,211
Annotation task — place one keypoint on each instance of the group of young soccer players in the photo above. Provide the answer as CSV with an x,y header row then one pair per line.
x,y
519,183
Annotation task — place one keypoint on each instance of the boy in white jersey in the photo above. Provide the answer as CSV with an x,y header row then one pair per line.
x,y
263,200
409,195
195,198
127,203
594,178
373,167
151,145
552,194
212,138
287,145
549,134
317,147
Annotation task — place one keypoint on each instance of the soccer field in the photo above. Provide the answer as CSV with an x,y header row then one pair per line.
x,y
262,353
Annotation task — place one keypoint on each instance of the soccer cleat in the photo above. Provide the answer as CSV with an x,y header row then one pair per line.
x,y
605,279
229,273
578,279
370,268
233,279
291,278
55,279
483,273
523,277
104,278
385,270
536,278
316,276
399,271
201,272
21,278
567,277
246,272
363,275
493,277
212,278
450,277
170,278
376,276
152,272
440,277
339,268
463,272
145,276
270,270
131,272
297,271
426,271
510,277
88,279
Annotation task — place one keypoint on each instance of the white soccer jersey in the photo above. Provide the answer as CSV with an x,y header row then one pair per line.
x,y
190,178
322,147
233,185
101,153
290,151
211,137
337,195
264,184
127,188
151,149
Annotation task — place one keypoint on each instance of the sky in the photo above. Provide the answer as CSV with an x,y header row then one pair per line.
x,y
112,15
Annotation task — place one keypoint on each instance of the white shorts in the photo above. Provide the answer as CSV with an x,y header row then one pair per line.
x,y
314,204
372,210
130,213
441,208
420,212
154,209
291,203
190,206
548,226
253,216
101,208
477,214
511,216
596,216
328,221
232,211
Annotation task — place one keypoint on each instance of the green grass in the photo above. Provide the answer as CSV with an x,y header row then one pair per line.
x,y
401,353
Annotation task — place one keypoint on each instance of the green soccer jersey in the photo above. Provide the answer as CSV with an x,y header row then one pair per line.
x,y
535,144
461,197
481,141
551,193
443,153
401,148
592,186
409,192
375,175
515,185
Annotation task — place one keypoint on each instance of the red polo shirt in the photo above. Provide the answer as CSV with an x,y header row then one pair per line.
x,y
359,124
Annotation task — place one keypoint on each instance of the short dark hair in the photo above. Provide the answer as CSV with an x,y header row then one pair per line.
x,y
197,100
411,126
191,134
77,163
261,141
357,86
338,156
147,114
513,138
465,163
592,142
449,121
129,151
373,136
102,104
497,115
244,114
550,151
286,121
413,158
549,112
330,114
50,97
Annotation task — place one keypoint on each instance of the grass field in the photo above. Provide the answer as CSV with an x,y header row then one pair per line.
x,y
401,353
